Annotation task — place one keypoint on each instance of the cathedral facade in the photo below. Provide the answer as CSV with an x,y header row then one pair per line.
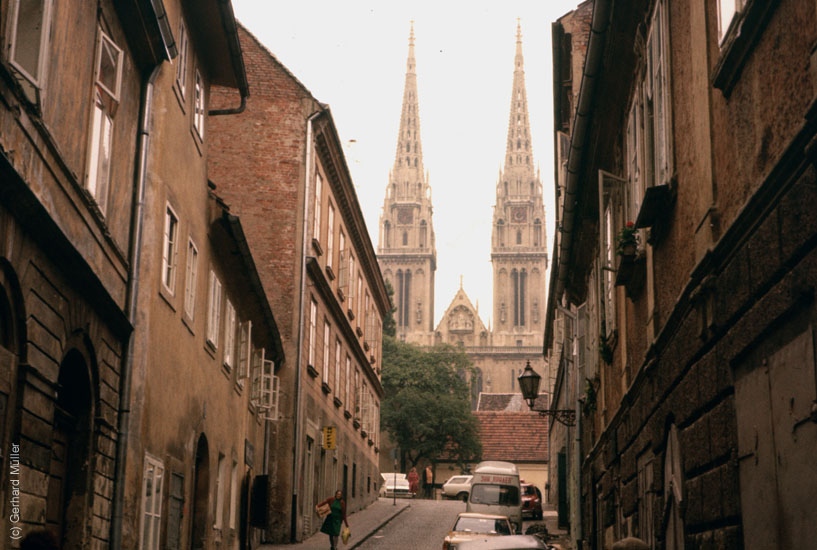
x,y
407,254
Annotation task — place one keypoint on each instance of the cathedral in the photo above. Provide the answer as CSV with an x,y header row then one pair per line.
x,y
407,254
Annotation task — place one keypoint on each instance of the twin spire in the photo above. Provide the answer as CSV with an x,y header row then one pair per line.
x,y
408,159
518,155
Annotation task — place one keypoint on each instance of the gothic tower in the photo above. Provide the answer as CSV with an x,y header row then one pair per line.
x,y
518,250
407,254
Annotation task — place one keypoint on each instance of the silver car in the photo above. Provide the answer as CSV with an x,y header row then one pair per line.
x,y
457,487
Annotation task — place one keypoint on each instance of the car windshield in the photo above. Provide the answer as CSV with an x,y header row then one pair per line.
x,y
502,495
528,490
456,480
483,525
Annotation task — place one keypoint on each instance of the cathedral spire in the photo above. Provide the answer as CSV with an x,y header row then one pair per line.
x,y
408,159
518,157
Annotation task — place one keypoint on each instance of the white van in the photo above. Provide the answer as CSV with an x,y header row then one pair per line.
x,y
495,490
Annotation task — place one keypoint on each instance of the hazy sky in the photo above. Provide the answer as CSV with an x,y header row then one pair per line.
x,y
352,56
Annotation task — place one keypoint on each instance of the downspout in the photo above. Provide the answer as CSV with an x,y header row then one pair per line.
x,y
236,59
134,261
595,49
297,424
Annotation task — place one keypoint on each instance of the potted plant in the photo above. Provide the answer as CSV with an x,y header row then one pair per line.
x,y
627,240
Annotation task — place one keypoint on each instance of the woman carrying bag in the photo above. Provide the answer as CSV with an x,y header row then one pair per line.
x,y
337,515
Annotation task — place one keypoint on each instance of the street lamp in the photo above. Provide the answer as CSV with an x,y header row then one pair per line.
x,y
529,384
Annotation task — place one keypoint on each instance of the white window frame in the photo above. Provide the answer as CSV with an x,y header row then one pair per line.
x,y
327,329
313,322
199,107
103,39
728,9
36,80
170,249
338,350
191,278
244,352
229,335
316,227
151,466
656,97
347,382
611,202
214,309
181,61
330,235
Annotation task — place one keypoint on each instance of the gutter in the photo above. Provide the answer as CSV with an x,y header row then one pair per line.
x,y
234,44
578,139
297,424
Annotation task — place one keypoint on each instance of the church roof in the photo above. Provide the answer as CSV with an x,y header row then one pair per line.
x,y
508,402
513,436
461,300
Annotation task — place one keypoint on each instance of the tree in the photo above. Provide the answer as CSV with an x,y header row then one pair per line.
x,y
426,408
389,328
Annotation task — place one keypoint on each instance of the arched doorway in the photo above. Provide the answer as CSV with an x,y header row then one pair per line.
x,y
201,492
70,469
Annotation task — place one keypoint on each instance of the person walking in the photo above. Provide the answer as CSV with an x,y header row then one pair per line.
x,y
414,481
428,482
337,515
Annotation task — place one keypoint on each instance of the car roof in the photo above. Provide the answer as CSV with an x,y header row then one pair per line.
x,y
508,542
480,516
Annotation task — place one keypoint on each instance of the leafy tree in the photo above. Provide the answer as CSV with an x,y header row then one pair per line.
x,y
426,409
389,328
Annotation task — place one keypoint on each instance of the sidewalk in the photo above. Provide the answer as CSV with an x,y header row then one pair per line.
x,y
363,524
558,537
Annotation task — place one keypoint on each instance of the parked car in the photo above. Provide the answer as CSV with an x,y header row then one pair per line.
x,y
531,501
511,542
394,484
470,526
457,487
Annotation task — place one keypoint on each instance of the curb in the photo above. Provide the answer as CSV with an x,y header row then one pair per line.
x,y
376,529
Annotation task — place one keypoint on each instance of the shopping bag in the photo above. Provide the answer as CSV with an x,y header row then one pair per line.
x,y
323,510
346,534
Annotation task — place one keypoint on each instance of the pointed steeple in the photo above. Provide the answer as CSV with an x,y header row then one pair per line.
x,y
408,160
518,156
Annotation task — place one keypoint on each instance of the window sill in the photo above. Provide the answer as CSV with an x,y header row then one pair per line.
x,y
325,388
188,323
210,348
312,371
341,295
197,141
337,403
363,434
366,346
347,414
371,442
179,97
740,41
167,296
359,331
330,273
316,245
631,273
351,314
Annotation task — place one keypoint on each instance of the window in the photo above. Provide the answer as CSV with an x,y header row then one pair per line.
x,y
337,366
673,492
190,276
214,311
727,12
198,115
656,98
220,489
519,280
537,233
330,235
313,322
28,41
107,76
359,296
229,335
646,497
233,494
518,237
175,510
348,378
244,351
316,228
403,297
169,250
423,233
364,320
181,61
405,238
611,206
326,331
151,503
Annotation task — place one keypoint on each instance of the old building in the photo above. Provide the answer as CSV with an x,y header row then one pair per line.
x,y
407,253
280,166
519,258
685,339
73,86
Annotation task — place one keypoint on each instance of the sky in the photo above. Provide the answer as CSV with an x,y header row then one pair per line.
x,y
352,54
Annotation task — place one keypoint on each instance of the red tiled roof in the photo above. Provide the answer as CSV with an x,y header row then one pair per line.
x,y
513,436
509,402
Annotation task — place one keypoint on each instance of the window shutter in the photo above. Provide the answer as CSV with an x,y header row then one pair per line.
x,y
266,397
272,414
244,351
255,373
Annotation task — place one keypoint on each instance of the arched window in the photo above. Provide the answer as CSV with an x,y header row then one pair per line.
x,y
404,313
519,280
400,290
405,238
387,234
500,230
506,187
518,237
537,232
415,163
673,492
408,147
423,234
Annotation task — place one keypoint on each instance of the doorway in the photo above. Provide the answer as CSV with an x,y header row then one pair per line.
x,y
201,490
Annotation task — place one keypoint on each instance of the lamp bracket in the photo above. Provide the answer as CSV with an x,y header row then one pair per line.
x,y
564,416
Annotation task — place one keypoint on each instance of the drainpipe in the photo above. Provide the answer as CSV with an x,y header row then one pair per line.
x,y
297,424
134,261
